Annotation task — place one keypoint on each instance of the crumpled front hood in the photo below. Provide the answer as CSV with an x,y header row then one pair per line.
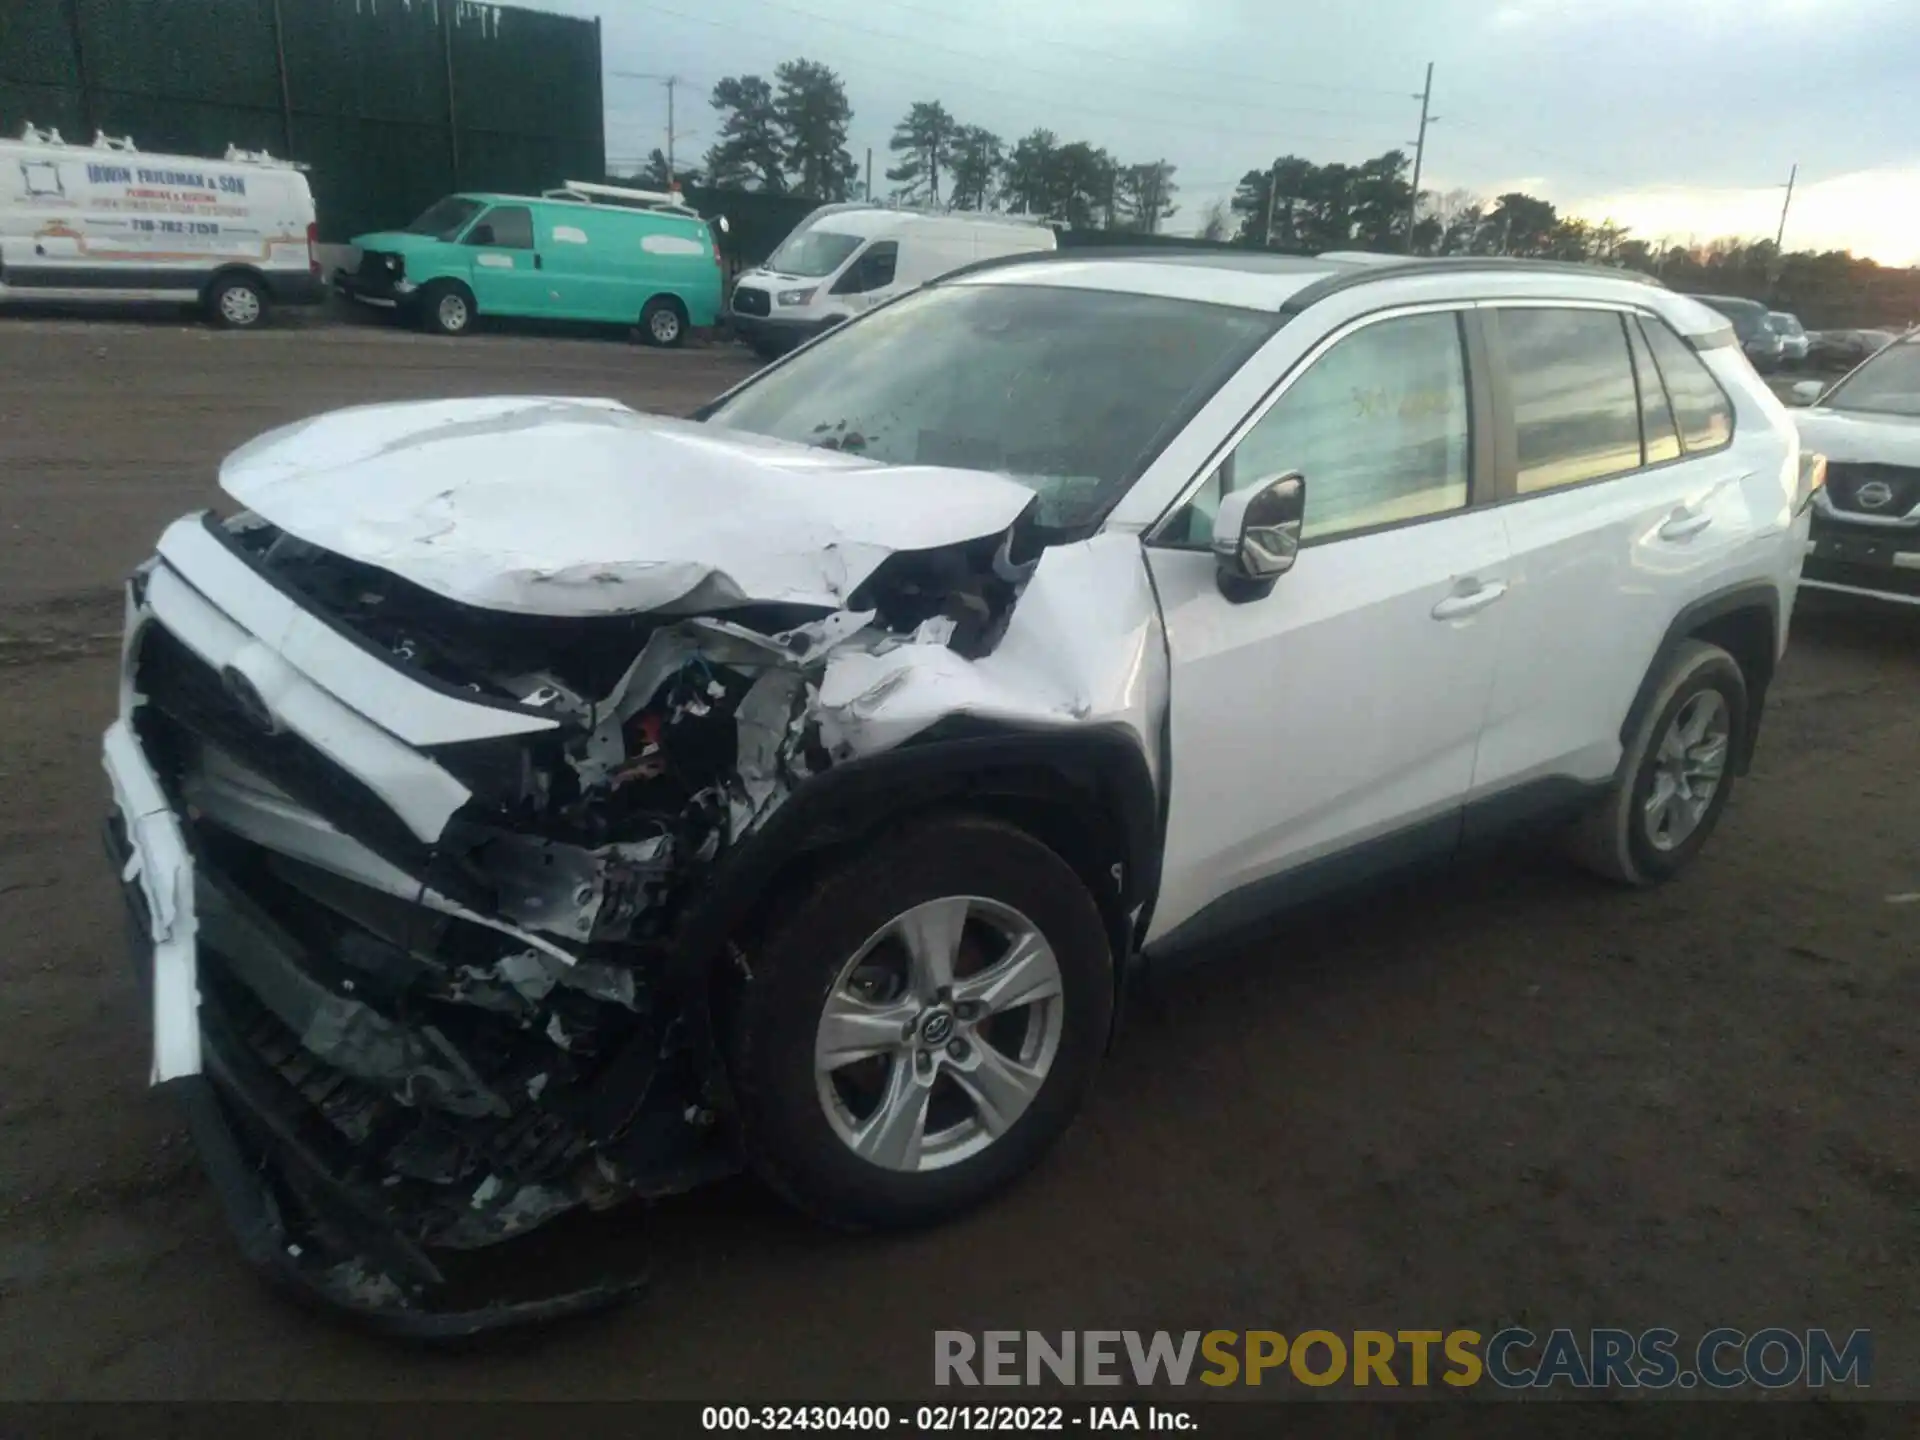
x,y
551,506
1854,437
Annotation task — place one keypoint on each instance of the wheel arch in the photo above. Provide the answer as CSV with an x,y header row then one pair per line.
x,y
1085,793
1745,622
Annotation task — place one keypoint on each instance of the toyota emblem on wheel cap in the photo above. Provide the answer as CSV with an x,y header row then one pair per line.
x,y
1873,494
938,1028
249,702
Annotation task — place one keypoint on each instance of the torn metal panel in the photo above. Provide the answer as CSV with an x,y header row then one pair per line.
x,y
1083,644
632,513
570,891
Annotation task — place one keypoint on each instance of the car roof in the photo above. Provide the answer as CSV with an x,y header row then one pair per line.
x,y
1289,284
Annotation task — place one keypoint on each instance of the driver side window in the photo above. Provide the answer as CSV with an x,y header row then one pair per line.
x,y
874,270
1378,425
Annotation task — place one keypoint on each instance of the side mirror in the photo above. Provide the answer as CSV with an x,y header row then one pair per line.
x,y
480,235
1256,534
1805,392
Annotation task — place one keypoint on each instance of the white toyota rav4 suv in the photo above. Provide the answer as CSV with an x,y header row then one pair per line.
x,y
528,805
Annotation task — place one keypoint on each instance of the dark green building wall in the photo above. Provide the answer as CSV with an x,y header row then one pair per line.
x,y
391,102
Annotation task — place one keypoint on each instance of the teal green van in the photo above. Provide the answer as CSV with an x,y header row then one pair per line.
x,y
595,253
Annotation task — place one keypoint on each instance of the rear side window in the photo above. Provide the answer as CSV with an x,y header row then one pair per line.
x,y
1576,411
1657,430
512,227
1701,407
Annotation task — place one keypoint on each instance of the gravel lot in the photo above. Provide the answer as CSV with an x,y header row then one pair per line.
x,y
1508,1095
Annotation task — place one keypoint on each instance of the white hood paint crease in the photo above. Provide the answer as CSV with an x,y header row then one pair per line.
x,y
551,506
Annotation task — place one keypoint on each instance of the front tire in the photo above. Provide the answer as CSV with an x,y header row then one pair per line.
x,y
1677,773
922,1025
447,308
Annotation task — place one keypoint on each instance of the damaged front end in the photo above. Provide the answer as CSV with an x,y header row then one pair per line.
x,y
413,877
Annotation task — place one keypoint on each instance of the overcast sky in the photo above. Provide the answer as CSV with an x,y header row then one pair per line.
x,y
1679,118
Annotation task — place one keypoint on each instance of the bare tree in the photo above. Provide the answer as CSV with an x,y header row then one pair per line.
x,y
1217,220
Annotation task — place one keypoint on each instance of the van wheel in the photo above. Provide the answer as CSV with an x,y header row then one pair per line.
x,y
922,1025
237,302
663,322
446,308
1675,778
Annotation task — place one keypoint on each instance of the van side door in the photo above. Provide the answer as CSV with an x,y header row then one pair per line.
x,y
573,247
504,263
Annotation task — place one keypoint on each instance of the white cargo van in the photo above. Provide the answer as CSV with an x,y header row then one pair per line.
x,y
844,259
107,222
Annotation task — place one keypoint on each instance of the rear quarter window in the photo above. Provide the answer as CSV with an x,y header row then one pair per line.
x,y
1700,407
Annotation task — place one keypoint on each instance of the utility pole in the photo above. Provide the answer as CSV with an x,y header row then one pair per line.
x,y
1780,236
869,174
1273,185
672,80
1425,97
1777,266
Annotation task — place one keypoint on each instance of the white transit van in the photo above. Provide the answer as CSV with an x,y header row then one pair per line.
x,y
843,259
107,222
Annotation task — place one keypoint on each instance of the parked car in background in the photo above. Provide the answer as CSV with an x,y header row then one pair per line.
x,y
589,252
1843,349
1866,519
1761,342
1793,337
526,804
845,259
106,222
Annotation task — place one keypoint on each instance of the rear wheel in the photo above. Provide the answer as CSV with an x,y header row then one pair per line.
x,y
663,322
237,302
922,1026
1677,773
446,308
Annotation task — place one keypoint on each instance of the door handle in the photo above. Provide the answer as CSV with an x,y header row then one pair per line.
x,y
1467,602
1684,524
538,264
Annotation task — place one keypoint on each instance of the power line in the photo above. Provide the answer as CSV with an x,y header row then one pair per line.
x,y
1207,71
949,81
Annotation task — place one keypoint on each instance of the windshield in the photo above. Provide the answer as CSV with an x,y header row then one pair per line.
x,y
812,252
1070,392
445,219
1888,384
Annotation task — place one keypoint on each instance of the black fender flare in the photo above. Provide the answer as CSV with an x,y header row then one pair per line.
x,y
1755,596
1099,771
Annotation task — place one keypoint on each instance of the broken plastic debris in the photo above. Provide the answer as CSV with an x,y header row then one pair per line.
x,y
483,1193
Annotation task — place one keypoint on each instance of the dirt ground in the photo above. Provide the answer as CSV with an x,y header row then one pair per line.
x,y
1507,1095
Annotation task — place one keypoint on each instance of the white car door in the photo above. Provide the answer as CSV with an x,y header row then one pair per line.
x,y
1614,523
1343,706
